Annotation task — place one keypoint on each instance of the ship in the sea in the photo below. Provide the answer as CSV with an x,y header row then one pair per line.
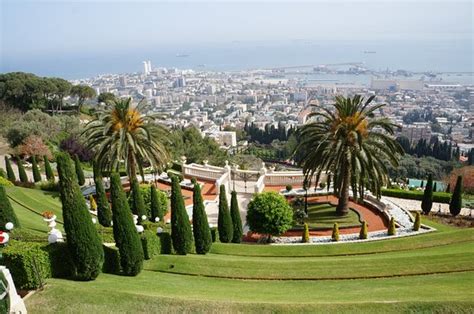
x,y
182,55
369,51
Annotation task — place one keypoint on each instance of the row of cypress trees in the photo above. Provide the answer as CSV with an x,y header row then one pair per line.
x,y
36,172
229,223
455,203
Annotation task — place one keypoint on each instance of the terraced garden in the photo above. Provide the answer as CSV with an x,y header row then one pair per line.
x,y
430,272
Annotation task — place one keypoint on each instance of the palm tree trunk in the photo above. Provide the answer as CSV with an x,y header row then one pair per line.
x,y
132,170
342,207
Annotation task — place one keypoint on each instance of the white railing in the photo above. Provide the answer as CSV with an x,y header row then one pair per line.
x,y
290,177
260,185
16,302
210,173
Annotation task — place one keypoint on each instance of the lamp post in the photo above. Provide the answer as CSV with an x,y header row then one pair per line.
x,y
305,187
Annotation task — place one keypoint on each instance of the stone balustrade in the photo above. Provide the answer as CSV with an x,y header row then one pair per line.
x,y
203,172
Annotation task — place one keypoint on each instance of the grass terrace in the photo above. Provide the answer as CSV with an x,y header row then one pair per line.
x,y
323,216
430,272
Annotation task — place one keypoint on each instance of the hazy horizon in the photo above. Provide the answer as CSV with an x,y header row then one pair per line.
x,y
43,36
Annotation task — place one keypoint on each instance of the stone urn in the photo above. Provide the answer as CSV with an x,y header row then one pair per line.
x,y
51,223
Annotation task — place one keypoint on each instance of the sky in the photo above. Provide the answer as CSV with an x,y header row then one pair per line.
x,y
34,29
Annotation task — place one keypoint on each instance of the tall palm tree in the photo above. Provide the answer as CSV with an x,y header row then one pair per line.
x,y
123,133
350,143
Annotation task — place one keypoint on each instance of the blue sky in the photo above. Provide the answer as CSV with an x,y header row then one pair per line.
x,y
41,27
49,36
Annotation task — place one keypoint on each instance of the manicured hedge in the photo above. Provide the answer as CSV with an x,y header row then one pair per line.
x,y
111,260
438,197
165,243
151,244
59,260
29,265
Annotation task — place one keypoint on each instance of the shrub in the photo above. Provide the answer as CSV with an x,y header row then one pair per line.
x,y
150,244
5,182
59,260
456,200
136,200
392,230
224,220
180,227
47,169
158,204
289,188
111,260
165,243
50,186
438,197
93,204
83,241
305,236
335,232
427,201
363,231
3,174
214,234
6,211
33,146
125,233
416,225
73,146
202,234
104,213
36,172
10,174
27,235
269,213
172,174
105,233
28,264
21,171
79,172
236,221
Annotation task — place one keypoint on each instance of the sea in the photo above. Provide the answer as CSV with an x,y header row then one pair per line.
x,y
453,57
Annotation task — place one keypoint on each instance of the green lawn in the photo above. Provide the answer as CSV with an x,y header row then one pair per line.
x,y
323,216
433,272
28,205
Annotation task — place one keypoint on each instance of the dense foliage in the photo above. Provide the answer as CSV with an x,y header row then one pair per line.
x,y
269,213
83,240
6,211
48,170
224,219
10,173
126,236
104,212
21,171
180,227
79,172
201,231
438,197
456,200
137,203
35,169
427,201
236,220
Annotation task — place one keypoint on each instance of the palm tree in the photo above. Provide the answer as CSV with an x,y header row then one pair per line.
x,y
350,143
123,133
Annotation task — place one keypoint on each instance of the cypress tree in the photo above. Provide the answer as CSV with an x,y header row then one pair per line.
x,y
417,224
79,173
21,171
427,202
305,236
201,231
6,211
36,172
363,231
155,206
181,234
435,187
335,232
10,173
448,188
422,183
455,204
48,170
392,230
84,244
126,236
137,204
104,213
224,220
236,220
